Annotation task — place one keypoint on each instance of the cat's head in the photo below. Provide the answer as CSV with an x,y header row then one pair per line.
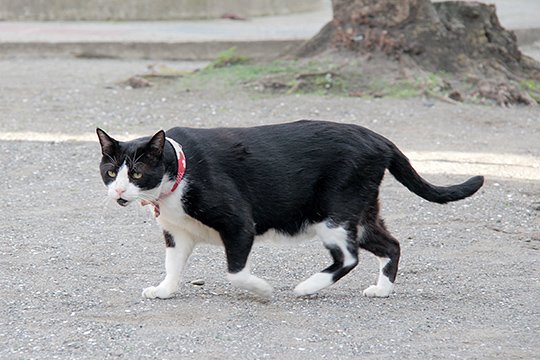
x,y
133,170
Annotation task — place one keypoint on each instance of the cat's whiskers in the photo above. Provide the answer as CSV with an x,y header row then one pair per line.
x,y
106,203
137,158
127,161
113,159
146,198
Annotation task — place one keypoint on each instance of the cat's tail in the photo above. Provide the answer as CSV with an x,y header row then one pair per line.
x,y
402,170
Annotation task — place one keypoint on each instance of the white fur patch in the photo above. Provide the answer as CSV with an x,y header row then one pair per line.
x,y
336,237
313,284
384,287
121,187
245,280
273,236
174,219
175,261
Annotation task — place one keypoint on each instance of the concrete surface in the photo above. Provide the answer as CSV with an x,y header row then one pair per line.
x,y
125,10
188,40
196,40
72,266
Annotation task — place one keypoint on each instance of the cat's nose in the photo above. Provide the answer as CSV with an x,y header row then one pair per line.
x,y
120,191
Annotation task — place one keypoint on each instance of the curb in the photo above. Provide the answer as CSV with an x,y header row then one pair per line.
x,y
527,36
175,50
267,49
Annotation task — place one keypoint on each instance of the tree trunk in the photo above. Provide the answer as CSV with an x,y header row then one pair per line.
x,y
463,38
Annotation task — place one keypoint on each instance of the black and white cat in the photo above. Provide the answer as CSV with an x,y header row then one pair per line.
x,y
232,186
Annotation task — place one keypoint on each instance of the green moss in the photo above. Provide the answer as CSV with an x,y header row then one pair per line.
x,y
304,77
227,58
532,87
285,73
399,89
429,84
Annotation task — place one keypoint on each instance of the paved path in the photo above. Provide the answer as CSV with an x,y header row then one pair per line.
x,y
72,269
194,40
504,166
187,40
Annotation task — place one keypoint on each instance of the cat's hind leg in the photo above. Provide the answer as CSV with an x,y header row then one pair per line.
x,y
178,249
344,250
376,239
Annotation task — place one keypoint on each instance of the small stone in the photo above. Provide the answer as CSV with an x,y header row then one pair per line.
x,y
137,82
455,95
198,282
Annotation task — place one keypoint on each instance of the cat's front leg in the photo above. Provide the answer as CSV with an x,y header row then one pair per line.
x,y
237,248
177,252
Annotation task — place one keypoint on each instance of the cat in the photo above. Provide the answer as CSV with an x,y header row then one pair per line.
x,y
231,186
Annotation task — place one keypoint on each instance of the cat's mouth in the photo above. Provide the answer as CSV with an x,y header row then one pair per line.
x,y
122,202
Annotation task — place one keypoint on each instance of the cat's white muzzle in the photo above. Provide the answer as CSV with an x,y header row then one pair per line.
x,y
122,190
123,195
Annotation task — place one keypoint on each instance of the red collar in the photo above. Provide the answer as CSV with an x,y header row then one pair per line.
x,y
181,158
181,163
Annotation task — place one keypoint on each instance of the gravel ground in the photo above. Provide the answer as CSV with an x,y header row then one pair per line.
x,y
73,266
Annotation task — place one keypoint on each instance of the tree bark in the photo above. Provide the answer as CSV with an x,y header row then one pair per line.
x,y
455,37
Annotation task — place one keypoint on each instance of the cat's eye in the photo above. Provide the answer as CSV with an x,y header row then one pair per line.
x,y
136,175
111,173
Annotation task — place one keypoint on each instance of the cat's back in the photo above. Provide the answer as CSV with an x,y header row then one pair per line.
x,y
287,169
301,135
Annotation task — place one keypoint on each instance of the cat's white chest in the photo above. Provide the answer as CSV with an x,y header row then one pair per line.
x,y
276,237
174,219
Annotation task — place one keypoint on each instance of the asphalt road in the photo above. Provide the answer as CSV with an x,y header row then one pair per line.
x,y
73,265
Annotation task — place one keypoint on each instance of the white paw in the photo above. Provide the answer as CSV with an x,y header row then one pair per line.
x,y
245,280
377,291
264,290
302,290
153,292
313,284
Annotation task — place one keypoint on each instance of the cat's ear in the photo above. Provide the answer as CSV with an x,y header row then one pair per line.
x,y
156,144
108,144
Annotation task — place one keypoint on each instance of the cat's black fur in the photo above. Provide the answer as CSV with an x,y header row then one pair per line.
x,y
243,182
